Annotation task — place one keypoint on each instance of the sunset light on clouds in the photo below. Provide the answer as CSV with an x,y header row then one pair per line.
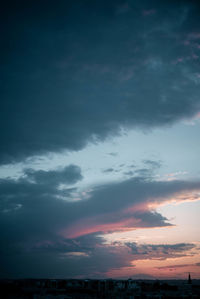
x,y
100,139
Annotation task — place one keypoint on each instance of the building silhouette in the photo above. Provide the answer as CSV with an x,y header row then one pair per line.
x,y
189,279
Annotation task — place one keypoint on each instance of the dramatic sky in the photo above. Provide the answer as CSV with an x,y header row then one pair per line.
x,y
100,139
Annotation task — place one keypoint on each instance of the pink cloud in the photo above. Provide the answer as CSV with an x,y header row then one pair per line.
x,y
135,217
89,226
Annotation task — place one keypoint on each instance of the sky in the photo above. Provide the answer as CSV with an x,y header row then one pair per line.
x,y
99,139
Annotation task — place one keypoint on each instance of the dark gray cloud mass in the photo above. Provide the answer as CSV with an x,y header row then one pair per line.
x,y
68,175
43,232
78,71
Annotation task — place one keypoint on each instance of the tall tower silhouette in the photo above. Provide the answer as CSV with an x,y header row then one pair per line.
x,y
189,279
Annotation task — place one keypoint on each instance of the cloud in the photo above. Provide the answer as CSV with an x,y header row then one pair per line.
x,y
129,173
78,72
198,264
108,170
160,251
115,206
41,221
85,256
143,172
32,206
82,257
113,154
153,164
174,267
69,175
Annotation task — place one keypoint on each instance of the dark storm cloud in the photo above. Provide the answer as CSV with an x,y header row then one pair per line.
x,y
79,71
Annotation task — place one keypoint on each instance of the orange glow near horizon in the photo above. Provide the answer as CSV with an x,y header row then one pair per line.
x,y
186,229
172,268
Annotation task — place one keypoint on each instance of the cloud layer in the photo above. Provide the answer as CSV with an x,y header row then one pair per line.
x,y
41,223
79,71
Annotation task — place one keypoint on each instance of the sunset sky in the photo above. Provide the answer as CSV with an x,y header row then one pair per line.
x,y
100,139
